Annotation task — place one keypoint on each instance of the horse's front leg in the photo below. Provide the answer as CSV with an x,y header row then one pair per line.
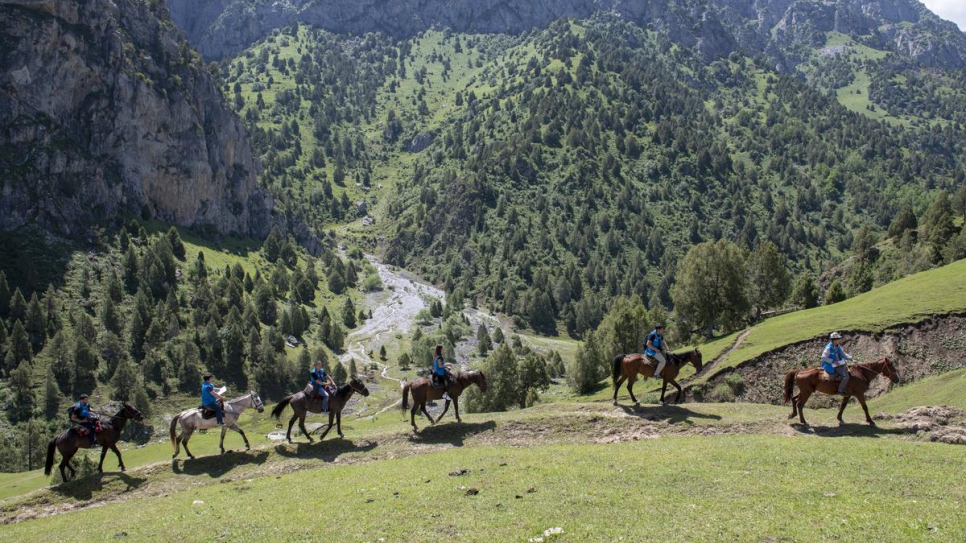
x,y
221,444
100,466
120,461
445,409
338,424
663,389
456,407
677,399
331,421
234,426
861,398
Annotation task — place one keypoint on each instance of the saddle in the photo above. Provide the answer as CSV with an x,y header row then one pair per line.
x,y
207,413
440,381
83,431
826,376
312,394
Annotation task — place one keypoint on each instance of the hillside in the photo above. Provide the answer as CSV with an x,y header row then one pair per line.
x,y
543,174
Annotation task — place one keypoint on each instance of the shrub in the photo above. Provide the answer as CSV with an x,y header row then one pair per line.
x,y
722,393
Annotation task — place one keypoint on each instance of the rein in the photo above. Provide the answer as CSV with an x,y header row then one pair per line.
x,y
885,371
249,396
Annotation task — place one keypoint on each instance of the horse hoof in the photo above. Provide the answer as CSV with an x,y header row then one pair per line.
x,y
872,423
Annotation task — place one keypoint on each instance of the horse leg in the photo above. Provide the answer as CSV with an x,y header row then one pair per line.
x,y
677,399
291,422
120,461
184,441
100,466
221,443
423,407
802,398
234,426
861,398
794,407
331,420
64,465
663,389
445,409
456,407
630,389
617,387
412,416
338,424
845,402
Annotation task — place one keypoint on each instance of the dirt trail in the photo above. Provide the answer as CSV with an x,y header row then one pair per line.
x,y
734,346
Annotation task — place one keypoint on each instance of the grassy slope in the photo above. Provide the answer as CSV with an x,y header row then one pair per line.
x,y
681,487
907,300
945,389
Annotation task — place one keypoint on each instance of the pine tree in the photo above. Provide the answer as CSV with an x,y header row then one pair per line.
x,y
131,278
109,316
589,366
533,378
4,297
36,324
272,247
405,362
136,333
768,278
382,352
711,287
336,280
85,365
62,361
483,340
339,374
51,395
265,304
835,293
498,335
18,347
353,372
349,314
124,382
177,247
805,293
18,306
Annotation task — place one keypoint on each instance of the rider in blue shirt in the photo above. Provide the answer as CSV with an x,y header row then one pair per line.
x,y
834,360
656,348
81,416
319,378
440,374
210,398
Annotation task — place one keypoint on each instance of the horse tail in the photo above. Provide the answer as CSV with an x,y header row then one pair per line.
x,y
277,410
174,431
405,394
618,360
51,447
789,384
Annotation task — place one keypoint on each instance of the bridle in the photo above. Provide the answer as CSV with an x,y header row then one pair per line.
x,y
886,371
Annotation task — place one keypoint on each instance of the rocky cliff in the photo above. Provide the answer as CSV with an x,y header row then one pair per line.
x,y
104,109
716,27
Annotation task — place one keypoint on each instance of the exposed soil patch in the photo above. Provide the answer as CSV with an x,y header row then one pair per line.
x,y
934,346
935,423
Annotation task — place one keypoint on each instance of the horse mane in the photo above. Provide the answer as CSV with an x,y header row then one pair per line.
x,y
238,399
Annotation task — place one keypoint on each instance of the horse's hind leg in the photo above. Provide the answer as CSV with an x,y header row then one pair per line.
x,y
794,407
456,407
845,402
184,441
802,398
663,390
291,422
100,466
412,417
423,407
630,389
617,387
677,399
861,398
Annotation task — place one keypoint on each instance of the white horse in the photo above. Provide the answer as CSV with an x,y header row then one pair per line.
x,y
192,420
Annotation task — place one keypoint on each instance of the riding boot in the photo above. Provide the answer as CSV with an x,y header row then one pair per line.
x,y
325,404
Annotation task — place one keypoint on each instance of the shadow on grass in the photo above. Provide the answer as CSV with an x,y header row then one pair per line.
x,y
850,430
453,433
326,451
669,413
217,465
84,488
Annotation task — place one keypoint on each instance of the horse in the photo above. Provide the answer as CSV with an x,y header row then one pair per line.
x,y
69,441
629,366
422,391
191,420
306,401
810,380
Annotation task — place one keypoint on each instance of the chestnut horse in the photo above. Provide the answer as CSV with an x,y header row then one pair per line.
x,y
629,366
68,442
423,391
812,380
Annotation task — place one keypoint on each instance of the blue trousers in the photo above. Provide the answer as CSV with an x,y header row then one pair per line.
x,y
325,396
216,407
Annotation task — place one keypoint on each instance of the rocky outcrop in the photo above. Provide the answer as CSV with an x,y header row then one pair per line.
x,y
716,27
104,110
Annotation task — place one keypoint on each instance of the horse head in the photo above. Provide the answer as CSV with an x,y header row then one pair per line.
x,y
130,412
257,402
696,359
358,386
890,371
481,381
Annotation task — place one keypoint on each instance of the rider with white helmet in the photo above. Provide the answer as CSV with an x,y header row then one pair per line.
x,y
834,360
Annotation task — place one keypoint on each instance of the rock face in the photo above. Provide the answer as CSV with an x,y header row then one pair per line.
x,y
716,27
103,109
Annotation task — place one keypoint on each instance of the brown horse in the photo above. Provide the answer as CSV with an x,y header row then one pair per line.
x,y
69,441
422,391
812,380
628,367
306,401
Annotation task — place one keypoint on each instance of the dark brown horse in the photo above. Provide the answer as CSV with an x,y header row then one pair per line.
x,y
628,367
69,441
306,401
423,391
816,380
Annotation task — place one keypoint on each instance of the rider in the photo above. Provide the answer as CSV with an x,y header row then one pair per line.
x,y
834,360
211,399
81,416
656,347
440,374
319,378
